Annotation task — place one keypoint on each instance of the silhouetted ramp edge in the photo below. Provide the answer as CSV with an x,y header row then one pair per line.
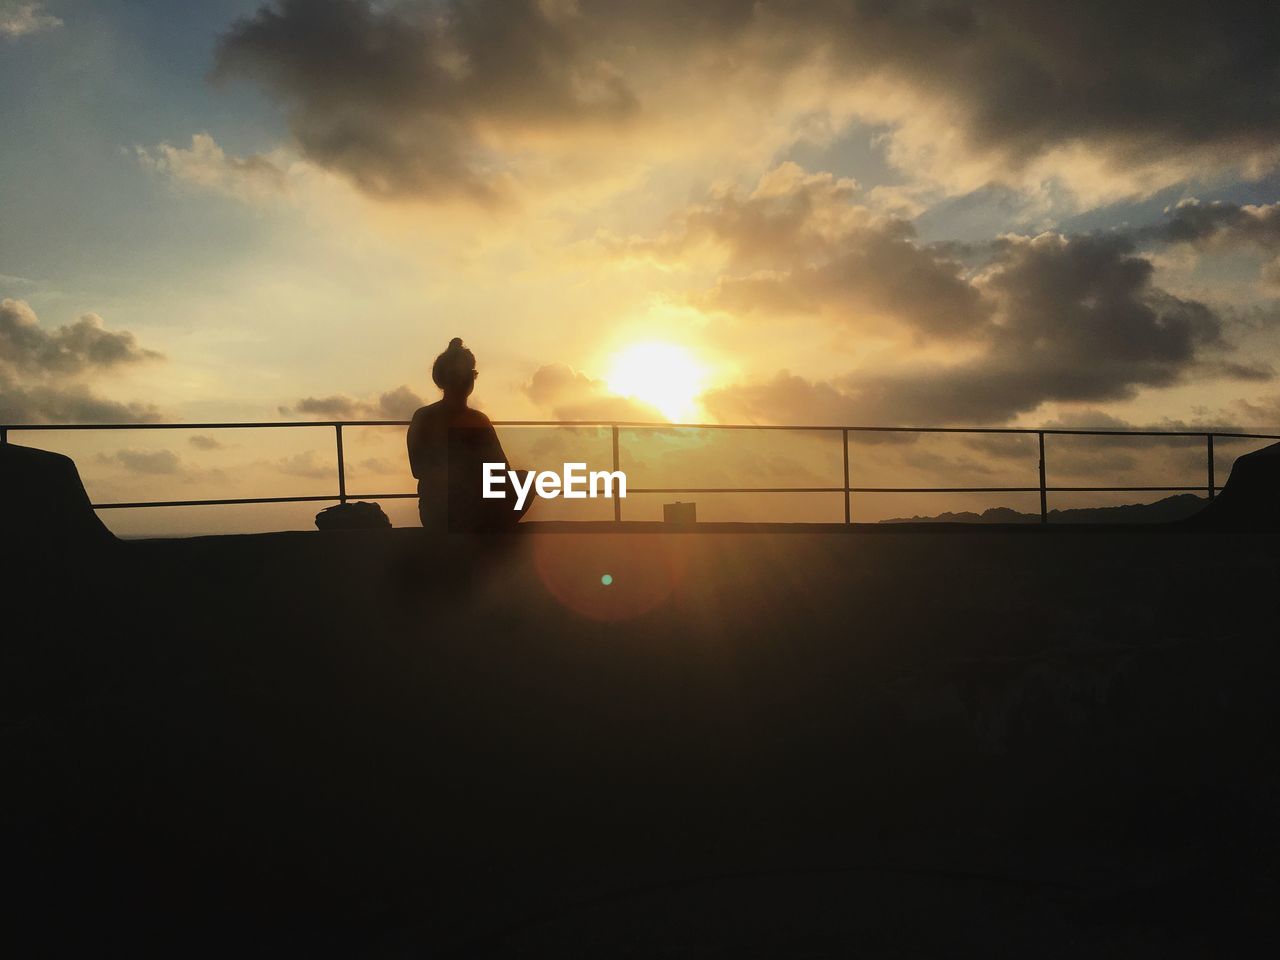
x,y
43,503
1250,499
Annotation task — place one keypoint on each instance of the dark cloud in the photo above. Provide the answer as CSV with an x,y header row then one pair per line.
x,y
1218,223
1075,320
800,243
1222,226
1140,81
401,98
42,372
397,404
204,442
86,345
1085,310
569,394
407,98
65,403
881,274
790,217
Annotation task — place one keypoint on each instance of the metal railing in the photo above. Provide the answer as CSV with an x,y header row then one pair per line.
x,y
342,495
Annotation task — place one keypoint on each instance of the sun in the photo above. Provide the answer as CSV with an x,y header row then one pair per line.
x,y
663,375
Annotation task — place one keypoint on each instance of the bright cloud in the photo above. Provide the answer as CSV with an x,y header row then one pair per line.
x,y
24,19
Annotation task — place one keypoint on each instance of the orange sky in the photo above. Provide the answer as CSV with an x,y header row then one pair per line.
x,y
738,212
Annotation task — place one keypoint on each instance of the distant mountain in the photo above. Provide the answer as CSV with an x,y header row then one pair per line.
x,y
1176,507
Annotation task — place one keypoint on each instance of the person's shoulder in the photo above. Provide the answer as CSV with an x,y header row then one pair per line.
x,y
474,418
426,413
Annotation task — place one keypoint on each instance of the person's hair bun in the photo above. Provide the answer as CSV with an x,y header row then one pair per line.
x,y
454,366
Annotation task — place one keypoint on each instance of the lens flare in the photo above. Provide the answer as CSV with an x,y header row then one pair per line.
x,y
643,572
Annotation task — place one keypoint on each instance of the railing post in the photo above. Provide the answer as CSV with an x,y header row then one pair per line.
x,y
4,434
844,435
1044,493
342,467
617,502
1209,451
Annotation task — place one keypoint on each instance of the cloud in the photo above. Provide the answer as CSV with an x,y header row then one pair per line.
x,y
439,99
397,404
1191,221
206,165
800,244
306,464
204,442
24,19
786,398
405,102
1013,83
43,373
569,394
1024,80
82,346
790,215
1017,321
65,403
381,466
1074,319
882,275
1263,412
1221,226
157,462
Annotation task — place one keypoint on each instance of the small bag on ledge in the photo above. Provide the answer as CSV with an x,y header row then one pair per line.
x,y
361,515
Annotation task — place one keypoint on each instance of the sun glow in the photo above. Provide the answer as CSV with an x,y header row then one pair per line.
x,y
662,375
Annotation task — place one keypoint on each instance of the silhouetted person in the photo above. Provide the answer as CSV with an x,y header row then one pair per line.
x,y
449,443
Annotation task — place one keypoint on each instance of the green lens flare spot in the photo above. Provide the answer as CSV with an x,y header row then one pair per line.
x,y
607,579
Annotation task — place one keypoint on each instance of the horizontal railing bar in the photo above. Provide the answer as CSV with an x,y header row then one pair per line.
x,y
1199,434
1018,489
945,489
210,503
1035,489
399,496
208,426
641,424
218,503
631,490
1203,488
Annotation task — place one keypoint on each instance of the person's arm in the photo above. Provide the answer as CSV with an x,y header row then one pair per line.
x,y
414,441
496,447
493,446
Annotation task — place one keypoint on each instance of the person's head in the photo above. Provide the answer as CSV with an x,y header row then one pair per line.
x,y
455,370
